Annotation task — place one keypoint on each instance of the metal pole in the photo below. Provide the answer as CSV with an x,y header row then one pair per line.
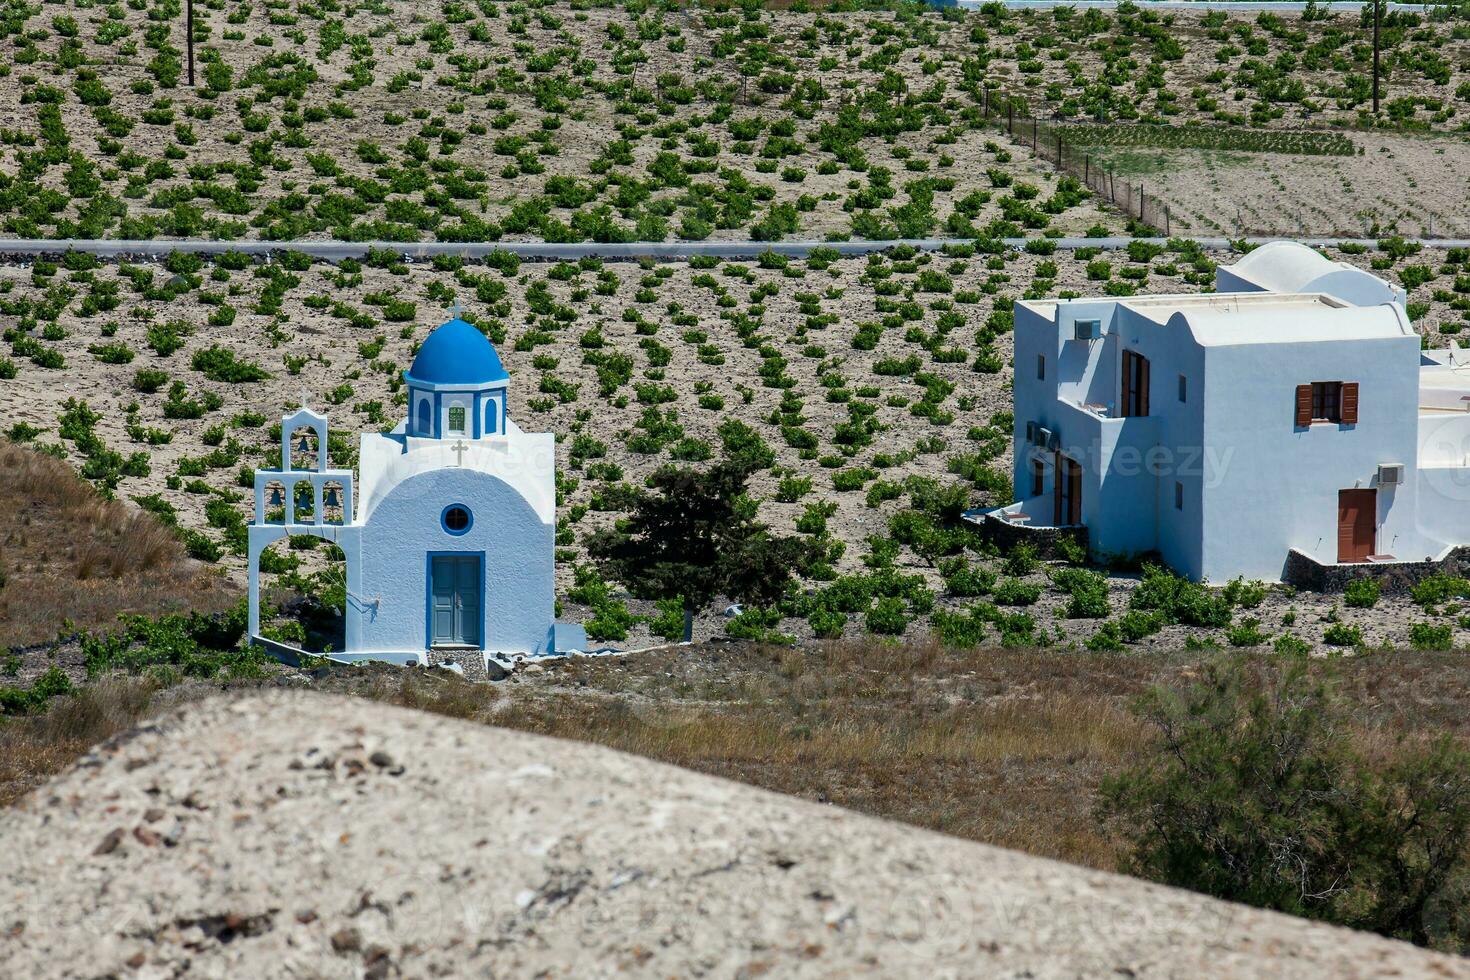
x,y
1166,221
1010,117
1059,151
189,36
1086,169
1033,134
1377,8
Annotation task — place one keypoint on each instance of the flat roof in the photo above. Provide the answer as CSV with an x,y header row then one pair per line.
x,y
1161,309
1227,319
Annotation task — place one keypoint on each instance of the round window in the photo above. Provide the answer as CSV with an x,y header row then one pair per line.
x,y
456,519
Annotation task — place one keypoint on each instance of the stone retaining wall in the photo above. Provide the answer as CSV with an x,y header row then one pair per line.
x,y
1308,574
1006,535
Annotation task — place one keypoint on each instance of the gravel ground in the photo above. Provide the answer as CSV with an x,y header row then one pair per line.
x,y
287,834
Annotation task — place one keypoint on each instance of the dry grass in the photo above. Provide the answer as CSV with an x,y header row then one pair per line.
x,y
68,554
34,749
1007,747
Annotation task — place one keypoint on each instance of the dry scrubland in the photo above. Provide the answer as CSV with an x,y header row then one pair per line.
x,y
871,393
596,121
548,858
71,556
1005,747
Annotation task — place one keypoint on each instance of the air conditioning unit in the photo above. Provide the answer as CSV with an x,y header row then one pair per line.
x,y
1044,437
1053,441
1086,329
1390,474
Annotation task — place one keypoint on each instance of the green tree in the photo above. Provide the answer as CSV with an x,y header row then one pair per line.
x,y
1254,794
693,534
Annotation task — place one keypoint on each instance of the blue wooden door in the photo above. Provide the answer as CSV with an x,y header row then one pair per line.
x,y
454,600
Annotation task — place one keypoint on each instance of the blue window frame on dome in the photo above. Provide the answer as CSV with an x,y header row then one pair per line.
x,y
425,416
490,407
456,519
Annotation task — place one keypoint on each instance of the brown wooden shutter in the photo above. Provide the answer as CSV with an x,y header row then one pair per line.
x,y
1304,406
1056,490
1128,375
1142,385
1349,409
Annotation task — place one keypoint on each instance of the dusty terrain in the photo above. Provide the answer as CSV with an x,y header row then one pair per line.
x,y
1416,186
586,121
287,833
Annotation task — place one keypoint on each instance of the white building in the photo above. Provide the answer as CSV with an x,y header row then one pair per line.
x,y
449,548
1290,413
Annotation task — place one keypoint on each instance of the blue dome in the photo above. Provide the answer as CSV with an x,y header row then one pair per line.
x,y
456,353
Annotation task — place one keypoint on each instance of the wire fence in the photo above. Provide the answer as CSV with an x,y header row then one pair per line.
x,y
1047,139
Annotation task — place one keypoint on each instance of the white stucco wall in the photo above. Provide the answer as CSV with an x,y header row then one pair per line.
x,y
1280,487
404,528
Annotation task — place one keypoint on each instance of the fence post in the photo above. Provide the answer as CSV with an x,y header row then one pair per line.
x,y
1010,118
1166,221
1033,134
1059,151
1141,199
1086,169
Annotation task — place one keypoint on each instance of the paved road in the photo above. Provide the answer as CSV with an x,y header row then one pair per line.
x,y
1244,6
20,248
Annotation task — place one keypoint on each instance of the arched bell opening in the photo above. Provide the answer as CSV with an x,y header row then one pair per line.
x,y
334,497
303,503
275,503
305,449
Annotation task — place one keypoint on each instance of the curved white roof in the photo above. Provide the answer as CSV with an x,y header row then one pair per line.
x,y
524,460
1291,320
1291,267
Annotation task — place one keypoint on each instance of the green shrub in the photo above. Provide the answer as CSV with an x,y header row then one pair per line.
x,y
149,380
669,623
1136,624
34,699
962,629
1246,595
220,364
1252,794
1361,593
963,579
827,624
610,621
1017,629
1088,592
1246,633
1108,637
889,615
195,645
1179,600
1342,635
1289,645
1014,592
1021,560
1431,636
1439,588
758,625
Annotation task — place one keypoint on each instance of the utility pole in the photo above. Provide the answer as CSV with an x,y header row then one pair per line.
x,y
189,36
1377,17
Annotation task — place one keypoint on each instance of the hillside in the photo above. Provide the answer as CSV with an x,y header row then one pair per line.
x,y
286,833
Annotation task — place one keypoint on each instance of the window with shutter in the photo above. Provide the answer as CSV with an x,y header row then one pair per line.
x,y
1349,403
1135,385
1326,401
1303,406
